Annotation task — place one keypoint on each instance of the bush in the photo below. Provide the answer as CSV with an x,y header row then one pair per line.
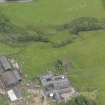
x,y
63,43
29,38
19,38
5,24
11,33
84,24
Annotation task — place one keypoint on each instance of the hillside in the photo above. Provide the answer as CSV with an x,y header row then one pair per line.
x,y
43,19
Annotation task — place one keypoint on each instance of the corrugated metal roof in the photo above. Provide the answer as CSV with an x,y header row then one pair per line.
x,y
12,95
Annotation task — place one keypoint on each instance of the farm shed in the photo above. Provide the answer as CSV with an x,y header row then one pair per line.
x,y
2,88
1,69
57,87
17,75
5,63
14,94
9,78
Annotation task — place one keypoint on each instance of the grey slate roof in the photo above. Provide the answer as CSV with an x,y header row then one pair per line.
x,y
17,75
56,81
9,78
9,75
18,92
5,64
1,69
56,85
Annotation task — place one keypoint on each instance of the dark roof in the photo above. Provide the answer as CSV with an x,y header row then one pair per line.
x,y
55,84
60,81
9,78
1,69
1,85
5,63
17,75
9,75
17,92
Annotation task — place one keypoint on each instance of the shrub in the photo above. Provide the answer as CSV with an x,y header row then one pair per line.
x,y
19,38
63,43
11,33
84,24
5,24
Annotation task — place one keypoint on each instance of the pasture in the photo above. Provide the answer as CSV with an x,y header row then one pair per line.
x,y
87,53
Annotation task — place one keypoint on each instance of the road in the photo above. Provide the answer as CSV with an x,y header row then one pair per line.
x,y
3,1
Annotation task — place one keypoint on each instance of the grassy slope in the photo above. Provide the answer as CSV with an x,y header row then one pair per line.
x,y
52,12
87,53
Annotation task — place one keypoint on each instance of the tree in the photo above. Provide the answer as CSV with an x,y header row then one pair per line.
x,y
5,24
84,24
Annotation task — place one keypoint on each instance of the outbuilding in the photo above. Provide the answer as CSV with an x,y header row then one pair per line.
x,y
5,63
14,94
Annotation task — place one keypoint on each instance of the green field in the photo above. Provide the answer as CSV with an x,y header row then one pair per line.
x,y
86,53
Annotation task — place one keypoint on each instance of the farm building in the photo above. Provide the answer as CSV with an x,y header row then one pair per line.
x,y
5,63
10,77
14,94
57,87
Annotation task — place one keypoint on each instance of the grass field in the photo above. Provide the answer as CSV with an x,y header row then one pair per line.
x,y
86,53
